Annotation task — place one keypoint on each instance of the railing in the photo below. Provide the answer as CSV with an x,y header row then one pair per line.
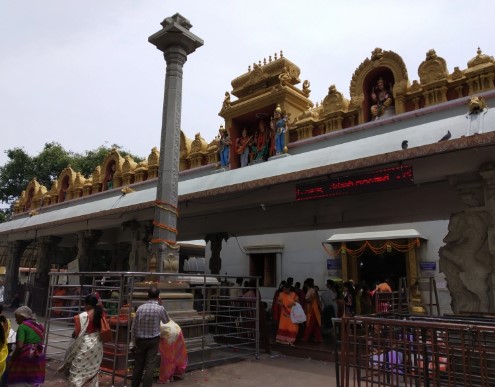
x,y
415,351
219,323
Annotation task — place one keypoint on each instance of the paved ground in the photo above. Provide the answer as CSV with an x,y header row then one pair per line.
x,y
272,371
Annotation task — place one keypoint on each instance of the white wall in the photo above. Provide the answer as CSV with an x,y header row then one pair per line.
x,y
303,255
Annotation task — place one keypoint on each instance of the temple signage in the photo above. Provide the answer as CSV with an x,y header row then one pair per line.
x,y
396,177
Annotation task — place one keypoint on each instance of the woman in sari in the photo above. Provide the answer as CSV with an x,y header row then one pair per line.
x,y
84,355
173,353
275,304
4,348
287,330
313,314
26,366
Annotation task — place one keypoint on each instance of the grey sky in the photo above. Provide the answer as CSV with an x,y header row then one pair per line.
x,y
83,74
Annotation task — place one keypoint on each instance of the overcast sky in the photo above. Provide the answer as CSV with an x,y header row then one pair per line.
x,y
83,74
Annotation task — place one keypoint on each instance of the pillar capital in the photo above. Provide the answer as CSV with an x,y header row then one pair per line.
x,y
175,33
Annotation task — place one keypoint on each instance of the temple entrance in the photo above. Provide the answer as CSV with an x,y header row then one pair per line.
x,y
375,268
372,257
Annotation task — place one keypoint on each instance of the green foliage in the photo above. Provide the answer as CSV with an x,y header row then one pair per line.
x,y
50,163
47,166
4,214
15,174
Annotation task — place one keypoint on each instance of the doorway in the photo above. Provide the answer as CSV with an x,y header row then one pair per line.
x,y
375,268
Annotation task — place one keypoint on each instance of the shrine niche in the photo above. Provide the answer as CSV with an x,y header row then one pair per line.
x,y
66,184
379,85
112,167
267,84
33,196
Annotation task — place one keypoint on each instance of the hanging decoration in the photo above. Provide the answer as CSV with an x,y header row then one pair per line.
x,y
387,246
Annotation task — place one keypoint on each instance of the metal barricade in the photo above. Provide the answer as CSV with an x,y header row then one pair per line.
x,y
415,351
219,320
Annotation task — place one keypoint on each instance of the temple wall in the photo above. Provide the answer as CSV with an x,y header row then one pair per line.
x,y
303,255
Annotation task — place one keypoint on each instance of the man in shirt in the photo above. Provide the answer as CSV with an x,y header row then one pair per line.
x,y
146,336
328,299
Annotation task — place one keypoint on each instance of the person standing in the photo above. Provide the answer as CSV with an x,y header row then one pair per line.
x,y
4,349
26,366
84,356
287,330
330,308
313,315
173,352
146,337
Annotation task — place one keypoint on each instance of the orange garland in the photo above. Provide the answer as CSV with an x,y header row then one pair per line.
x,y
171,208
170,244
164,226
387,246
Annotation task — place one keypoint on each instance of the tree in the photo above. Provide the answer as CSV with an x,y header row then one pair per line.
x,y
4,214
46,167
50,163
15,175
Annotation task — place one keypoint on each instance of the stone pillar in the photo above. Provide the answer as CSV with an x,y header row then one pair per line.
x,y
176,42
15,251
86,244
140,239
47,247
216,246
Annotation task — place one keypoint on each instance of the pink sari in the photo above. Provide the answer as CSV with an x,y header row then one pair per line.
x,y
173,353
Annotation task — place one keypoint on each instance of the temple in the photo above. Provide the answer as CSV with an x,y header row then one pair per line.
x,y
399,178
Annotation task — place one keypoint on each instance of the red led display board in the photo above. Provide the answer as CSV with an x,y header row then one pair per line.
x,y
381,179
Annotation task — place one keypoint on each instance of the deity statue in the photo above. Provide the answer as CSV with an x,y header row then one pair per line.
x,y
224,147
306,90
285,77
110,177
467,263
279,125
261,142
382,99
226,101
242,147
